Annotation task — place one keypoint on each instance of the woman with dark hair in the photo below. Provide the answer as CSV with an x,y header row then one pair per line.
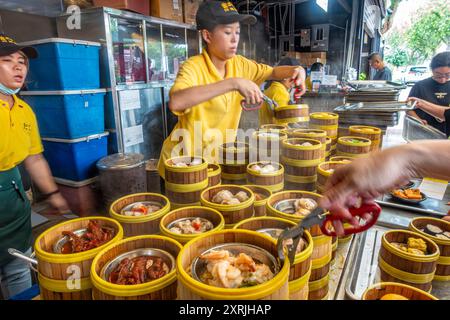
x,y
19,143
433,95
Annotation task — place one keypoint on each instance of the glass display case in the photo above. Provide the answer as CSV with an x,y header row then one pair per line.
x,y
175,49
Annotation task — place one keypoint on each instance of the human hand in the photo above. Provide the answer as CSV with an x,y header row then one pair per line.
x,y
58,203
249,90
299,78
419,102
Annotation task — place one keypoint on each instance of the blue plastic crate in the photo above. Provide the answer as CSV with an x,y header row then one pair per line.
x,y
64,64
68,114
110,122
75,159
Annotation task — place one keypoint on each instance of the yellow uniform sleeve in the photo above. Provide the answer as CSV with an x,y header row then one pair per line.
x,y
256,72
35,138
280,95
186,78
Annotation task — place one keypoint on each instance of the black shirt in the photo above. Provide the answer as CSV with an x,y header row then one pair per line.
x,y
434,92
383,74
447,122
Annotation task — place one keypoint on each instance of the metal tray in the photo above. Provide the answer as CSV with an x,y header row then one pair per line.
x,y
376,85
376,107
413,130
364,271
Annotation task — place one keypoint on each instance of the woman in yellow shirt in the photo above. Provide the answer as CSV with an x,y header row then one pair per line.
x,y
208,90
19,142
278,91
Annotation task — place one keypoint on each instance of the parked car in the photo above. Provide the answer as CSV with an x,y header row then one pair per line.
x,y
414,74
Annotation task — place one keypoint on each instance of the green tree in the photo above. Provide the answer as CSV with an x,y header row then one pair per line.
x,y
430,31
398,57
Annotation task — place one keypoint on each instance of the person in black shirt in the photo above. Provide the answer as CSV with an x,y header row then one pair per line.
x,y
383,72
433,95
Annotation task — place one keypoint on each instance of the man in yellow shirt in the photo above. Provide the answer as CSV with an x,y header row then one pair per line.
x,y
19,142
208,90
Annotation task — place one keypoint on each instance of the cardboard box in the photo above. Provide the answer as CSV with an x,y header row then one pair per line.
x,y
167,9
190,8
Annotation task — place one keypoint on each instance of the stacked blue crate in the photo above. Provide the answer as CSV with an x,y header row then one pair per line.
x,y
65,94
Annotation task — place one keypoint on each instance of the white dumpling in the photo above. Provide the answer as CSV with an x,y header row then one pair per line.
x,y
306,144
256,167
196,162
181,165
268,169
231,201
222,196
305,203
302,212
242,196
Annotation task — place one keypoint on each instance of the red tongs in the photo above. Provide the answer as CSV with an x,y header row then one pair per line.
x,y
320,217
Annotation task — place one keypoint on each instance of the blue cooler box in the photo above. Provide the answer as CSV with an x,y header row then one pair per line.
x,y
64,64
75,159
68,114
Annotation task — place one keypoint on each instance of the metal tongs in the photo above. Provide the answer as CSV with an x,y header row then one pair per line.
x,y
323,218
252,107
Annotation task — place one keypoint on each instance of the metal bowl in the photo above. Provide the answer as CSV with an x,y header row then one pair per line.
x,y
288,206
409,201
145,203
272,232
112,265
409,185
172,224
57,247
258,254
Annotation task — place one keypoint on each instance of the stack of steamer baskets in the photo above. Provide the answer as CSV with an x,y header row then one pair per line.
x,y
295,113
300,271
284,205
353,147
328,122
371,133
233,162
64,266
185,179
314,134
267,174
300,158
214,175
267,144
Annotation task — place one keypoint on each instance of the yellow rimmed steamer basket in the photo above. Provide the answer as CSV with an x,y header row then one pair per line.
x,y
443,264
295,113
378,290
270,126
411,269
327,121
259,206
266,144
212,215
214,175
314,134
342,158
185,184
135,226
164,288
322,249
323,174
273,181
353,149
67,276
301,268
334,246
328,149
372,133
300,163
233,162
189,288
231,213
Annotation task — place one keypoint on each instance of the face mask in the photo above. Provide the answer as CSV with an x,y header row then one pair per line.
x,y
7,91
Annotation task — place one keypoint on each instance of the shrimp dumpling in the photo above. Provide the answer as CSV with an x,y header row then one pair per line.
x,y
242,196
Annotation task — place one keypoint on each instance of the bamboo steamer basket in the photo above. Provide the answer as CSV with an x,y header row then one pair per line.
x,y
325,121
349,149
174,206
328,149
318,290
214,216
184,185
342,158
300,163
294,113
57,270
214,175
190,289
378,290
371,133
314,134
321,257
259,206
343,131
267,144
135,226
300,271
231,213
334,246
443,264
164,288
273,181
233,162
323,175
399,266
279,127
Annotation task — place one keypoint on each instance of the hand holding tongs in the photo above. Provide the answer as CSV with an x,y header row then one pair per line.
x,y
251,107
320,217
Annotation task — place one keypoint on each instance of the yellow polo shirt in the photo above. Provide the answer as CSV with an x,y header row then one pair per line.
x,y
19,136
210,119
278,93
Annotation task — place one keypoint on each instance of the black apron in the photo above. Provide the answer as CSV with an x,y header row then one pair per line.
x,y
15,215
